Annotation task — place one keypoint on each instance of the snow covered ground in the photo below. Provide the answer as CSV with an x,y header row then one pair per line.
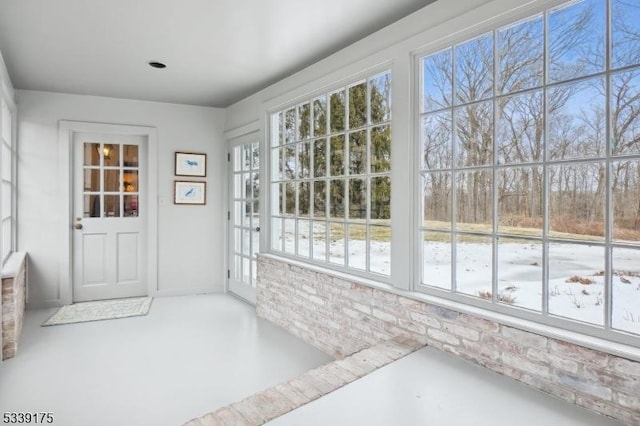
x,y
576,278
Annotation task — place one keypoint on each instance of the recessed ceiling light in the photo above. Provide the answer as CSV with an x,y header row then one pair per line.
x,y
156,64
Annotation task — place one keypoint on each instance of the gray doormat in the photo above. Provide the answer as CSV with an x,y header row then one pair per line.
x,y
100,310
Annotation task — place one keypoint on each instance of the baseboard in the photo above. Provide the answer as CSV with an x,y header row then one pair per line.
x,y
44,304
187,291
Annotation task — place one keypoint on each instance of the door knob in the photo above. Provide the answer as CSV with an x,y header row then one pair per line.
x,y
258,229
78,226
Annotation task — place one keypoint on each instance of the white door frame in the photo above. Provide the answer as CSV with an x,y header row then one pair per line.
x,y
66,131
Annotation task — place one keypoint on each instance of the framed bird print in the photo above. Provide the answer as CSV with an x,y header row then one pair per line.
x,y
191,164
187,192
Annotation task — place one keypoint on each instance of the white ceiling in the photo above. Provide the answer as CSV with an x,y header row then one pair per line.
x,y
216,51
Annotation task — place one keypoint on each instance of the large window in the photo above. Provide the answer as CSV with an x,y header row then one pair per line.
x,y
331,177
530,167
6,177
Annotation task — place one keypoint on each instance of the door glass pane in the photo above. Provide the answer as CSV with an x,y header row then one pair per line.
x,y
131,206
130,181
91,154
112,180
246,270
92,180
111,154
246,241
92,205
112,205
130,154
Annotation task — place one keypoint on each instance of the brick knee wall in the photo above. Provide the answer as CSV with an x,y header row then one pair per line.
x,y
341,317
13,307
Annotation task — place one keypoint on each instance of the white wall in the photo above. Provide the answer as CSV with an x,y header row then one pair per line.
x,y
190,238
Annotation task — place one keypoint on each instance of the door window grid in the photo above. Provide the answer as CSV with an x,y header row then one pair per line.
x,y
331,177
486,199
111,174
246,212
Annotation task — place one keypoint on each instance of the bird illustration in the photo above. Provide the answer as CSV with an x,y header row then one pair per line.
x,y
189,193
192,163
624,280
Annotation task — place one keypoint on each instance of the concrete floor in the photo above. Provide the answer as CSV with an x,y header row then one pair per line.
x,y
187,357
430,388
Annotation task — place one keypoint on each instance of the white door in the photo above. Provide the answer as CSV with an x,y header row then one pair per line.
x,y
244,218
109,216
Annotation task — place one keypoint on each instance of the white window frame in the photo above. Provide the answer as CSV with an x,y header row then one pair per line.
x,y
10,182
543,317
273,197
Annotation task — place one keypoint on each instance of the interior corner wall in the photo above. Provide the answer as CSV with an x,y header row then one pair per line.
x,y
190,253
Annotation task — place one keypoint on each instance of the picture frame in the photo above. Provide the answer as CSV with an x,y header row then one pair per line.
x,y
189,192
190,164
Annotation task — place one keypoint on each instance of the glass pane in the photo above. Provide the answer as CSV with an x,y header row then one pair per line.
x,y
246,271
290,198
357,198
255,185
474,201
91,206
247,186
319,198
320,116
336,108
576,201
437,201
131,206
336,243
130,181
358,105
380,98
237,270
380,249
304,240
277,199
91,154
304,160
320,241
625,33
577,121
247,157
336,198
290,236
241,216
255,242
6,156
320,158
276,164
304,195
277,136
520,200
237,158
437,83
520,128
238,186
130,153
111,154
381,198
520,273
576,40
473,265
92,180
276,234
626,296
237,240
6,121
520,49
474,69
255,156
474,134
358,152
625,92
304,121
246,242
576,282
290,125
437,137
625,196
436,259
111,206
336,158
380,149
112,180
358,247
254,273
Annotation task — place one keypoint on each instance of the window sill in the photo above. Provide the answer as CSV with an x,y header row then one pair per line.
x,y
12,265
596,343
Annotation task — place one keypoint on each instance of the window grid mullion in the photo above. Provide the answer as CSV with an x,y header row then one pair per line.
x,y
608,265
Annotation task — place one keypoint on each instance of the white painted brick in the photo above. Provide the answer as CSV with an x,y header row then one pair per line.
x,y
427,320
525,365
552,360
443,336
461,331
524,338
384,316
625,366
